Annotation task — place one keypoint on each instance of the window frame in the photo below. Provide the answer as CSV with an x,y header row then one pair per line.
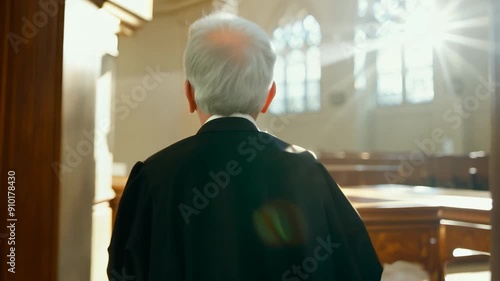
x,y
284,85
366,18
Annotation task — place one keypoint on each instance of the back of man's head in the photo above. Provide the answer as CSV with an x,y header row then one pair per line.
x,y
229,62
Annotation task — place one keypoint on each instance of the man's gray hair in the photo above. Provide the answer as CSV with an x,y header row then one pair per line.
x,y
229,62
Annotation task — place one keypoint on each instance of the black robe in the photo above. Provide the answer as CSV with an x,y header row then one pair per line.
x,y
233,203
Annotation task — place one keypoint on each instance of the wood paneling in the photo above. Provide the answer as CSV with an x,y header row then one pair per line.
x,y
30,133
408,242
409,234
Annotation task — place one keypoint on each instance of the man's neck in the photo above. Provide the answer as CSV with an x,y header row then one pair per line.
x,y
204,118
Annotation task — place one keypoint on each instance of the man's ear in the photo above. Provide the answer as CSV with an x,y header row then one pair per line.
x,y
189,91
270,97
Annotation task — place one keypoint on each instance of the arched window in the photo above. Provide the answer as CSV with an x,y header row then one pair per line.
x,y
298,67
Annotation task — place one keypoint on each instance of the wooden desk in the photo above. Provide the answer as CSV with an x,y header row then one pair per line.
x,y
423,224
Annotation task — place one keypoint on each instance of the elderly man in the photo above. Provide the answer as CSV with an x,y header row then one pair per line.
x,y
232,202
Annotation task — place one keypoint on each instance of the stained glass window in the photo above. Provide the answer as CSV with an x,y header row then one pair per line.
x,y
297,72
404,54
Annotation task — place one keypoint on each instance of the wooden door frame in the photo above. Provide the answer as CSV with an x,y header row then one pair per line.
x,y
30,134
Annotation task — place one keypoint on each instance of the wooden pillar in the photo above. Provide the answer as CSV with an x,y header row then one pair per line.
x,y
495,146
31,46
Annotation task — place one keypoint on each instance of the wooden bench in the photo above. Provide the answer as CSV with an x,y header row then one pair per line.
x,y
353,175
448,171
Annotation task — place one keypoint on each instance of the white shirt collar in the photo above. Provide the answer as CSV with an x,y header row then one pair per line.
x,y
246,116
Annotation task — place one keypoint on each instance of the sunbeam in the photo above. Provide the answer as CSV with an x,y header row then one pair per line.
x,y
468,41
445,71
469,23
